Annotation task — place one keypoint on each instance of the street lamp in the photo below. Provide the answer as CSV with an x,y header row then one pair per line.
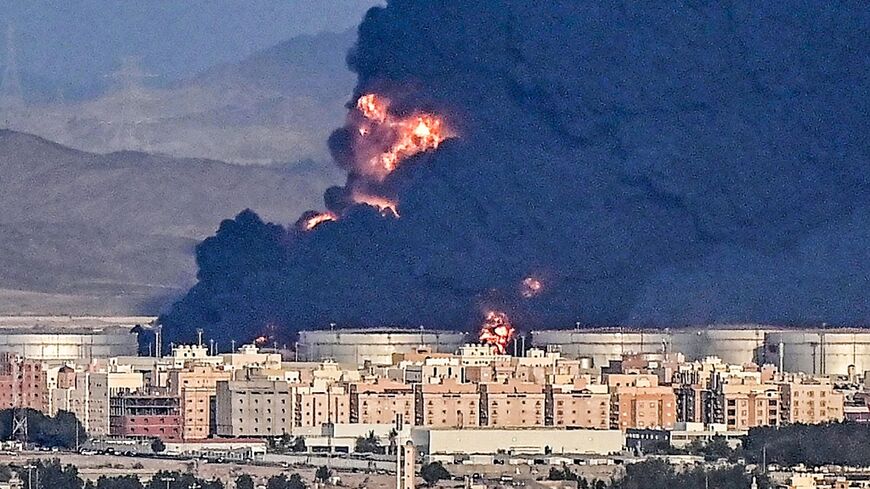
x,y
167,480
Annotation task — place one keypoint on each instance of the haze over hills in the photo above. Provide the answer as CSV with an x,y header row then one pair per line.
x,y
276,106
114,233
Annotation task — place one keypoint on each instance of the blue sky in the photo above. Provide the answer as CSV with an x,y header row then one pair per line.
x,y
73,44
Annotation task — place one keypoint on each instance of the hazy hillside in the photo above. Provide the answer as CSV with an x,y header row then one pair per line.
x,y
278,105
81,232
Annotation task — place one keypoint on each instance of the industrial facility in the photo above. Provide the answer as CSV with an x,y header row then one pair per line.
x,y
813,351
67,338
376,346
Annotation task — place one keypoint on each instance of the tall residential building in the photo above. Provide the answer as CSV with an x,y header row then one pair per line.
x,y
740,400
512,404
380,402
449,404
87,394
643,407
196,385
322,405
811,401
23,383
255,407
586,407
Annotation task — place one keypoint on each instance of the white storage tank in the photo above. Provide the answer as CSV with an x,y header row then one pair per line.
x,y
375,345
819,351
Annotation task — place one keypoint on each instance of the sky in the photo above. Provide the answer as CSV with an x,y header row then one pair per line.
x,y
75,45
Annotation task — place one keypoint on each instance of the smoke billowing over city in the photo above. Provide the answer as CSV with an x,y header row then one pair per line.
x,y
566,162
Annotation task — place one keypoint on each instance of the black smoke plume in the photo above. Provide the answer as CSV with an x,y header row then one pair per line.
x,y
651,164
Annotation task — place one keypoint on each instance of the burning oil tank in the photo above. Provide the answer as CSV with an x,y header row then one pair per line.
x,y
67,338
819,351
375,345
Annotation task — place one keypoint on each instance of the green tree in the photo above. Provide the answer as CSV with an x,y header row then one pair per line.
x,y
245,481
157,445
120,482
368,444
433,472
322,474
50,474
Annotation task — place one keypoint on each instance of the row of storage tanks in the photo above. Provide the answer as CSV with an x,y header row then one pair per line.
x,y
67,338
816,351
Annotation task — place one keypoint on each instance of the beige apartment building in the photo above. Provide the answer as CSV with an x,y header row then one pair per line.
x,y
379,402
321,405
643,407
811,401
748,404
196,386
255,408
449,404
586,407
512,404
86,394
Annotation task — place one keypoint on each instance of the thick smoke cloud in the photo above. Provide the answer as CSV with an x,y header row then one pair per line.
x,y
689,163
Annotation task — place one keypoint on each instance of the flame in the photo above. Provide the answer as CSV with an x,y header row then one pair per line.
x,y
530,287
313,221
386,206
409,135
496,330
261,340
373,107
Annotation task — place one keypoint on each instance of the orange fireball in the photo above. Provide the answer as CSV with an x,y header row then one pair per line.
x,y
373,107
408,135
496,331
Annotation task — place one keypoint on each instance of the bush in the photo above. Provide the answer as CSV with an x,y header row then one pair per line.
x,y
433,472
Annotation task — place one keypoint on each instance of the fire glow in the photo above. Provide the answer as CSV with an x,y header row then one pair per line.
x,y
496,331
530,287
317,219
384,205
407,135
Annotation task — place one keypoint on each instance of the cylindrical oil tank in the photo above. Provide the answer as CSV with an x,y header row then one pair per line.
x,y
601,345
377,345
64,338
819,351
738,344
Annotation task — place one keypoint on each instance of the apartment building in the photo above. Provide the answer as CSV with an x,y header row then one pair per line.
x,y
643,406
23,383
379,402
578,407
196,385
146,415
449,404
258,407
810,401
319,405
512,404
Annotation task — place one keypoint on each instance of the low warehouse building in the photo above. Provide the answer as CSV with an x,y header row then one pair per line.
x,y
517,441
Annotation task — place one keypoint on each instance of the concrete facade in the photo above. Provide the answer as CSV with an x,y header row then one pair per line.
x,y
517,441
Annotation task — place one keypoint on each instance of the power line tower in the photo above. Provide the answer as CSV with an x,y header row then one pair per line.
x,y
11,94
19,425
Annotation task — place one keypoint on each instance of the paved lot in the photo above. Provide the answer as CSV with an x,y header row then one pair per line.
x,y
93,466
